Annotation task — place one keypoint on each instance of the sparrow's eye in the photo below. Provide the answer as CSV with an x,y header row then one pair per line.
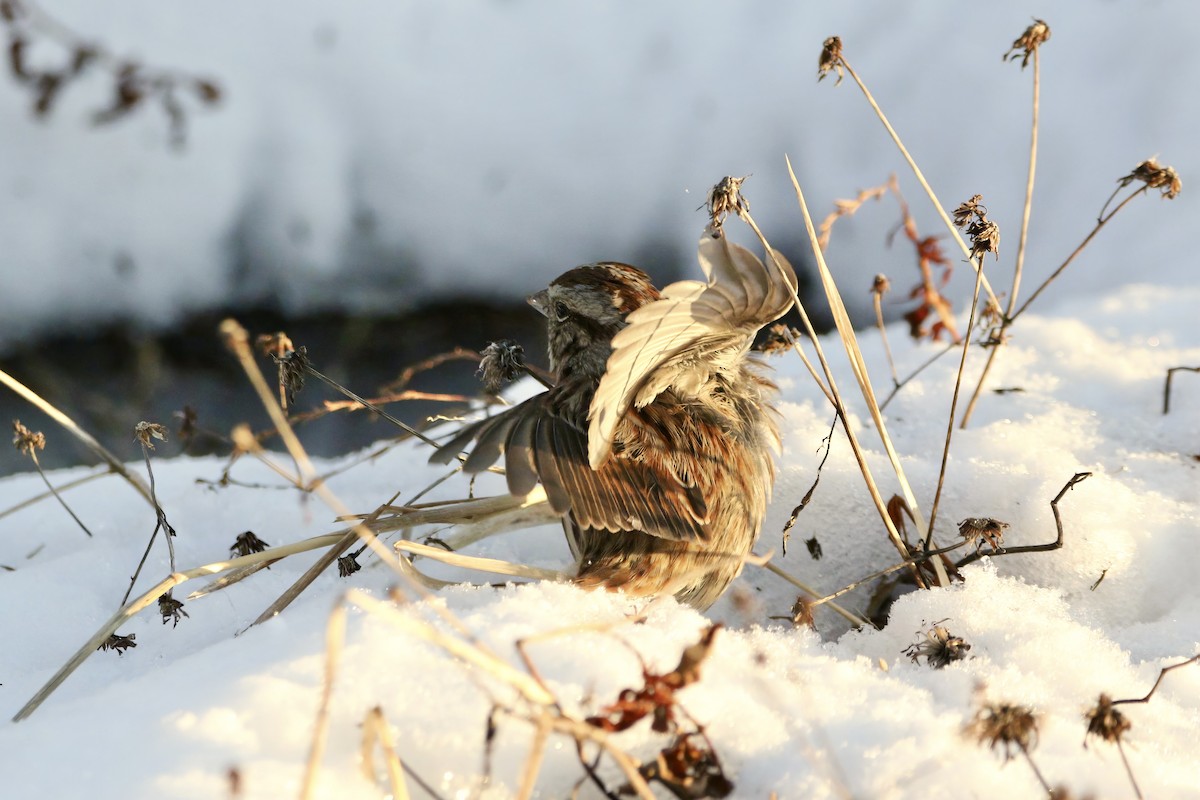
x,y
561,312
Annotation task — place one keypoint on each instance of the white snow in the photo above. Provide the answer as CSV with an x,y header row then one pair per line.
x,y
410,101
374,156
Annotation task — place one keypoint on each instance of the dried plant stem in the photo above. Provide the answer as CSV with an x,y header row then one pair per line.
x,y
849,616
962,365
1057,544
919,175
53,492
925,365
482,564
1137,790
79,433
160,524
1010,318
335,634
533,763
151,596
57,496
854,354
1028,206
376,728
1034,767
1162,674
1166,387
238,341
887,348
368,404
886,571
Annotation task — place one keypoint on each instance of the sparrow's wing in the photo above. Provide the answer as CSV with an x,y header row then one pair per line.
x,y
694,329
540,444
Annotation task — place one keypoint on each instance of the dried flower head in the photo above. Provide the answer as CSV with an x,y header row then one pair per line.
x,y
802,613
247,543
689,768
503,361
724,199
146,432
814,548
1105,721
938,647
881,285
831,59
1155,176
27,441
276,344
348,565
971,216
778,339
116,641
1004,726
983,529
171,609
1028,43
969,209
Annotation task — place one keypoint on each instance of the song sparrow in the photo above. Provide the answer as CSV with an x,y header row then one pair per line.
x,y
656,442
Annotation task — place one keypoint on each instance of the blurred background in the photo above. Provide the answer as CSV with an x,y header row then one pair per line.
x,y
387,180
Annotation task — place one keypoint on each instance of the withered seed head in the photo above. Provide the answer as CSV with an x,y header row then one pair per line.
x,y
146,432
881,285
1004,726
1028,42
502,362
171,609
969,209
778,339
247,543
27,441
726,198
348,565
1105,721
1155,176
983,529
831,59
938,647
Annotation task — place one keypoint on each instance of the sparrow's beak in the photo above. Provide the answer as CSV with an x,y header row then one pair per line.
x,y
540,301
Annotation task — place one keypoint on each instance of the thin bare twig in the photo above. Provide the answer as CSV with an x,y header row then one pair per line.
x,y
1167,386
1057,544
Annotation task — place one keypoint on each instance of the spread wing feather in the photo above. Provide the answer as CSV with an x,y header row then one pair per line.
x,y
625,494
666,340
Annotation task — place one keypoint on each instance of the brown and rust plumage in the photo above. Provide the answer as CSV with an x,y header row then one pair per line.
x,y
656,444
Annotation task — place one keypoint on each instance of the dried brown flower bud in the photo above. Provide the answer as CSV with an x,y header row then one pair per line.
x,y
145,432
971,208
1028,43
503,361
276,344
1105,721
726,198
171,609
938,647
985,238
814,548
116,641
831,59
1155,176
778,339
27,441
983,529
247,543
881,285
1001,725
348,565
802,613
